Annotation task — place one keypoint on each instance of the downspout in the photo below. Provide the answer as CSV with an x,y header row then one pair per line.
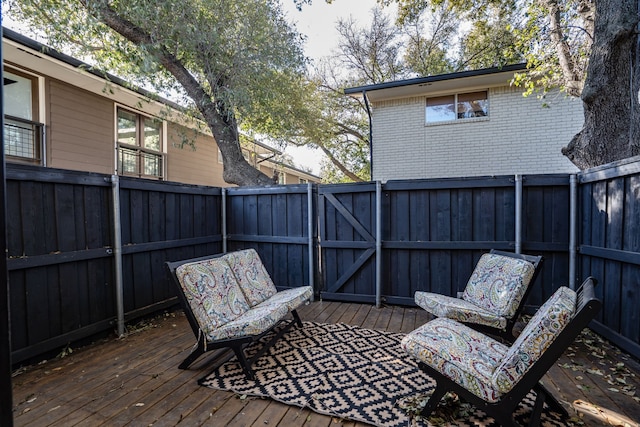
x,y
518,230
117,253
366,104
573,232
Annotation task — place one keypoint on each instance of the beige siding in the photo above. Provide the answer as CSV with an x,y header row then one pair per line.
x,y
80,129
521,136
193,165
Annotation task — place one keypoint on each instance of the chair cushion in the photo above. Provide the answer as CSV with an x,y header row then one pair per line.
x,y
254,322
543,328
460,353
458,309
291,298
498,284
254,280
212,292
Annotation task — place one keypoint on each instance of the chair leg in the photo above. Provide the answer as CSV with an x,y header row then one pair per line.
x,y
551,400
433,401
536,413
195,353
242,359
296,316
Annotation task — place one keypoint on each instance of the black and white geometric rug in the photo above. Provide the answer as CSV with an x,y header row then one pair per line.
x,y
347,372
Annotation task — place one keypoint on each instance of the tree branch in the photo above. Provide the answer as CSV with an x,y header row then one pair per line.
x,y
572,82
340,166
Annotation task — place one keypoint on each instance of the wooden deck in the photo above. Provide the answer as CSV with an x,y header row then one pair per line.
x,y
134,381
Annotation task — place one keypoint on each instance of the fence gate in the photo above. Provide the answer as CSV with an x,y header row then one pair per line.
x,y
348,241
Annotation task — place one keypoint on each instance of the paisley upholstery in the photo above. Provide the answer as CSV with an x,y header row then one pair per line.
x,y
232,296
458,309
459,352
535,338
481,364
498,283
253,278
492,294
212,292
292,298
252,322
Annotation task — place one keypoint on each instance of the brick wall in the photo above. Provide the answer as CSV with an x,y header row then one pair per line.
x,y
520,136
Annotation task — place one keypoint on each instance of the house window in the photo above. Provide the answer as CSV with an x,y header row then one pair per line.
x,y
278,176
23,136
303,181
456,107
140,143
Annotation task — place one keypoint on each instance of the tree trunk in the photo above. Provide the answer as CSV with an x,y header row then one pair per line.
x,y
220,120
611,94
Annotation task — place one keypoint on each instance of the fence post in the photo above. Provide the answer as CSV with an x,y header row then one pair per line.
x,y
224,220
378,244
6,391
518,225
117,253
310,218
573,221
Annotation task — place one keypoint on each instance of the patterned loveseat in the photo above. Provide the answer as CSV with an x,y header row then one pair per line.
x,y
491,375
231,301
494,296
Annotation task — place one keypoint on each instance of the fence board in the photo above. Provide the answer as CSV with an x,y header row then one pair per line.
x,y
274,221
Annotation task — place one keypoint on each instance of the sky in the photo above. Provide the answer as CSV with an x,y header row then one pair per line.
x,y
318,22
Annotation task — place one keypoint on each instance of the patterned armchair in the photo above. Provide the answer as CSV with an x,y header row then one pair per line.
x,y
494,296
495,377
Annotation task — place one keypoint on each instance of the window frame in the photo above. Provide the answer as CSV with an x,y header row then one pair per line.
x,y
138,148
27,126
456,105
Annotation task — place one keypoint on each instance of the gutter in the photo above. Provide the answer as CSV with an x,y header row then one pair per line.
x,y
366,103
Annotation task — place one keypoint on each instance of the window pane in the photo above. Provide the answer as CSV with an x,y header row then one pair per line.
x,y
128,160
440,109
152,164
20,139
152,132
472,105
126,127
17,96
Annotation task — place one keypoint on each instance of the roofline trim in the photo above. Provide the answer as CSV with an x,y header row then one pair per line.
x,y
76,63
437,78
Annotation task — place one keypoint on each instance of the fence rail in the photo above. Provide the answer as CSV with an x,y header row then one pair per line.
x,y
86,251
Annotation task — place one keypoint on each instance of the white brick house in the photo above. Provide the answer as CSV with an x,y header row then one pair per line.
x,y
472,123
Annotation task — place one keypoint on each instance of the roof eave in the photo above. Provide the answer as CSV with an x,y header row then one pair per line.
x,y
403,86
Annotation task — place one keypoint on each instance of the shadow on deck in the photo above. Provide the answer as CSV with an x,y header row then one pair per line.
x,y
135,381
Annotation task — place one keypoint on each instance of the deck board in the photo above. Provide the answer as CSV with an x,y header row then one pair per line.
x,y
134,381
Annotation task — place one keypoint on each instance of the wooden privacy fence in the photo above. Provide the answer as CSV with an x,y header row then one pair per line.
x,y
382,242
75,270
609,247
